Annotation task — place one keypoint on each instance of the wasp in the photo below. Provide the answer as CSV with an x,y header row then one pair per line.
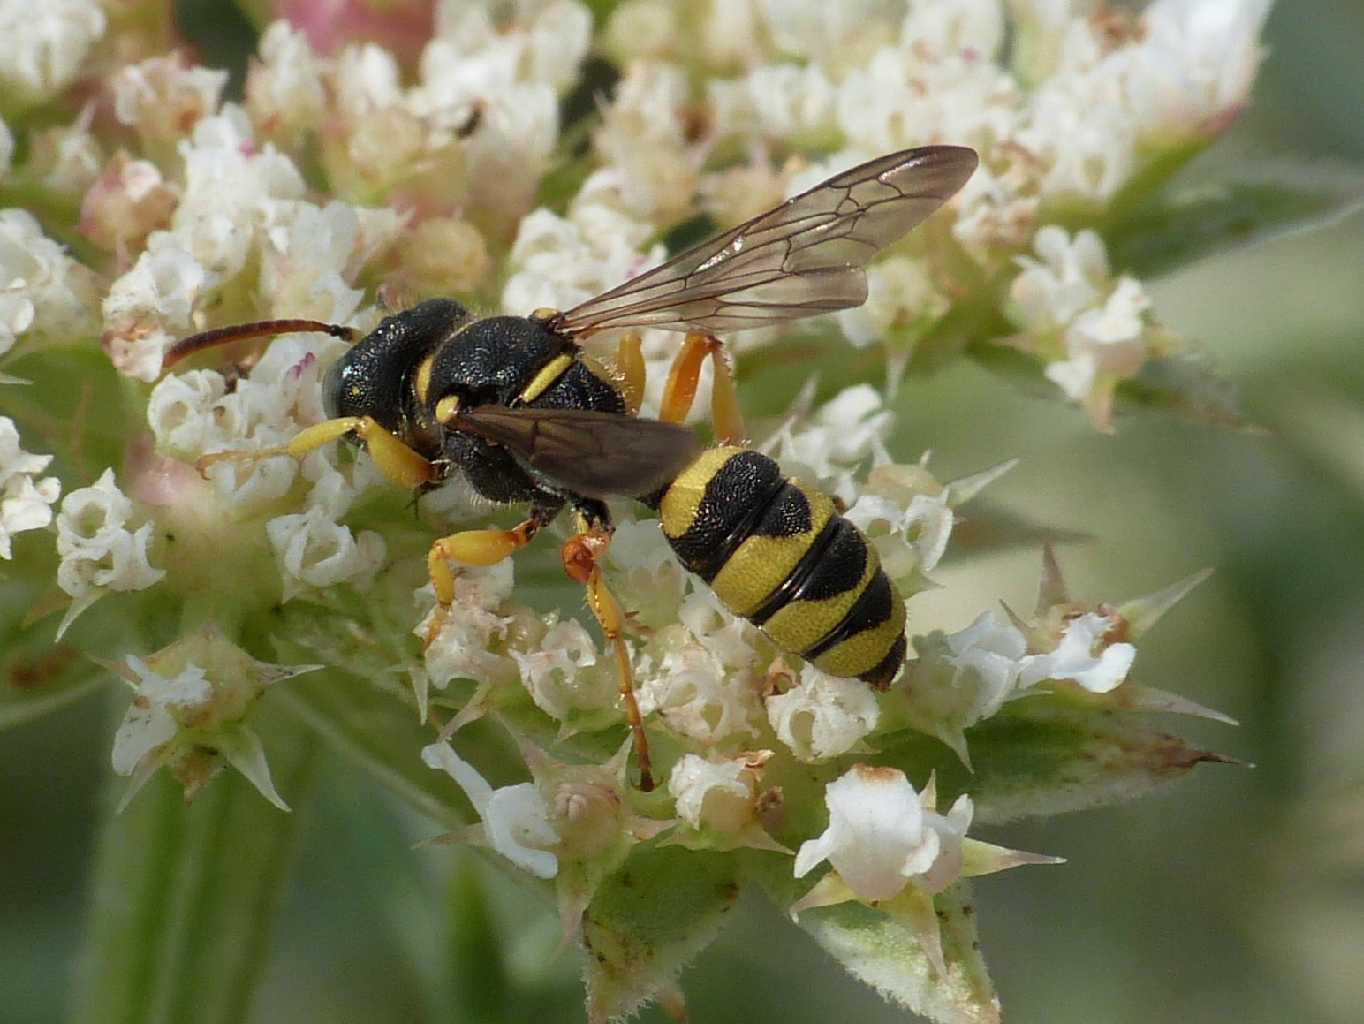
x,y
517,406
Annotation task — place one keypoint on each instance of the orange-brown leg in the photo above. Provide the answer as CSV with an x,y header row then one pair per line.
x,y
680,391
580,554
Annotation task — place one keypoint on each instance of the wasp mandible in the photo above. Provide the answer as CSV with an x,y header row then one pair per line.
x,y
531,419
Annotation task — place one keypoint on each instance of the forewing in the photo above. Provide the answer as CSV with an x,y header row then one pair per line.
x,y
802,258
595,454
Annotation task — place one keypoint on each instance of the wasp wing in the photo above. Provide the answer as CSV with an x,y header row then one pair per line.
x,y
595,454
802,258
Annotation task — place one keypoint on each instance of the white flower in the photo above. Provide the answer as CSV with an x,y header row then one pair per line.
x,y
45,295
714,795
187,710
900,296
150,304
1068,297
66,158
42,47
996,214
516,820
162,96
882,835
643,139
564,675
309,254
646,576
151,720
1194,65
918,531
25,503
557,263
1108,340
641,30
129,200
825,448
510,79
959,679
911,94
98,552
1068,276
284,92
908,516
1078,127
782,101
1075,658
689,686
468,645
229,185
823,716
836,35
313,551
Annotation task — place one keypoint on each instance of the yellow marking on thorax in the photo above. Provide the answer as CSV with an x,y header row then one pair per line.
x,y
447,409
552,371
423,381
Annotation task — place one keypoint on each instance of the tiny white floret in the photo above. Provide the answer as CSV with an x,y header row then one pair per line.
x,y
882,836
823,716
1075,657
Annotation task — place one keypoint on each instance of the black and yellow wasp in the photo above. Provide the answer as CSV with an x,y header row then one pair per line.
x,y
517,406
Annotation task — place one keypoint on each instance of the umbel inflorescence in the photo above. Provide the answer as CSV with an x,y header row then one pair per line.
x,y
520,156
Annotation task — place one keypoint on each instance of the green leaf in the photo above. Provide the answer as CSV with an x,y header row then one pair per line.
x,y
1043,756
182,897
887,954
1180,225
1186,386
647,920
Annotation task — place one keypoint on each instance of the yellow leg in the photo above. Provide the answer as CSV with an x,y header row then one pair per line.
x,y
580,554
630,367
471,547
394,459
680,391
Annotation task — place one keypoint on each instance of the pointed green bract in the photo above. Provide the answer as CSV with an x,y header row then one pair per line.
x,y
1040,756
1181,225
647,921
888,954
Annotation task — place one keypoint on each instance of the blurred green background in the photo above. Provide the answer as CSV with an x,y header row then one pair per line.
x,y
1236,896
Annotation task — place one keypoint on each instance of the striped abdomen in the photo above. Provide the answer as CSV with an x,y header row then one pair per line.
x,y
781,556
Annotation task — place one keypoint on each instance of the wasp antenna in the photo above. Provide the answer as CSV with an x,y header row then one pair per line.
x,y
240,332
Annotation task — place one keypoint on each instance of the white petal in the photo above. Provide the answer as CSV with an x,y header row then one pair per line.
x,y
142,730
518,827
442,757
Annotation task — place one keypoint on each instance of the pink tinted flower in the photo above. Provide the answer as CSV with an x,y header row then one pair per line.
x,y
401,26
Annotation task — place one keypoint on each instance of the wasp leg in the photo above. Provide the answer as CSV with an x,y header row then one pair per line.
x,y
580,554
474,547
630,369
395,460
680,391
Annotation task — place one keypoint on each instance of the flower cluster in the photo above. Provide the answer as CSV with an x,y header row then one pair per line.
x,y
378,159
25,502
